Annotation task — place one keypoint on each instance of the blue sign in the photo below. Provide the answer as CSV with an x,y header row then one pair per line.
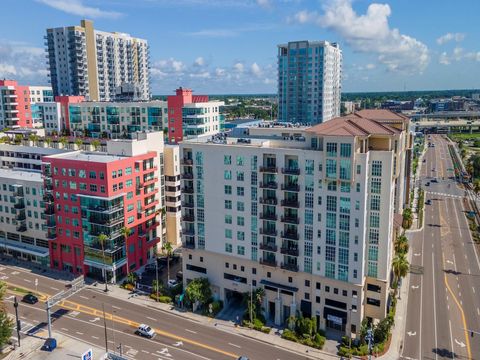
x,y
88,355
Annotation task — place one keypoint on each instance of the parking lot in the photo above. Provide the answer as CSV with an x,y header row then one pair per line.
x,y
149,275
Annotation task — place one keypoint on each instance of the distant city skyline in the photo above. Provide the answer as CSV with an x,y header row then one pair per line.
x,y
229,46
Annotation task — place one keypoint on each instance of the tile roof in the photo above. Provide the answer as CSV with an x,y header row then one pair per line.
x,y
381,115
353,125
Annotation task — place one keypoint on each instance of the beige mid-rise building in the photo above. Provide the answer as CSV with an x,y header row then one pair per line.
x,y
306,213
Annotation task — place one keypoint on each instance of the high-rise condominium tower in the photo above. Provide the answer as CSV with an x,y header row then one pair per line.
x,y
309,81
93,63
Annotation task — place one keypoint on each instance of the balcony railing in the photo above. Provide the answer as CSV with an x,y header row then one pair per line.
x,y
289,251
269,169
189,232
292,235
269,185
188,190
290,203
291,219
269,201
291,171
20,216
19,205
268,232
187,176
188,218
21,228
188,162
268,247
289,267
291,187
189,244
188,204
268,216
268,262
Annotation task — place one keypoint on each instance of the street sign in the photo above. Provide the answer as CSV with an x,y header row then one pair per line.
x,y
87,355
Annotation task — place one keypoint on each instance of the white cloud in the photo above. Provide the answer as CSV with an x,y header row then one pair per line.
x,y
370,33
239,67
201,75
256,70
458,54
458,37
264,3
230,32
219,72
199,61
76,7
22,62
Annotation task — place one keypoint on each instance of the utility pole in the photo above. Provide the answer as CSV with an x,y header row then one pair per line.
x,y
15,305
105,328
251,304
156,275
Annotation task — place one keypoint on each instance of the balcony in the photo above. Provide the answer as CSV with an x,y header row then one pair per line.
x,y
292,235
188,218
268,262
20,216
188,190
269,169
51,224
269,201
189,244
189,232
269,185
289,267
49,210
290,219
187,176
188,204
291,187
21,227
19,205
268,247
107,221
268,216
290,203
187,162
292,251
291,171
268,232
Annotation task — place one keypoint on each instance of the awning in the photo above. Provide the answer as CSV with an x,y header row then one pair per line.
x,y
42,252
279,286
335,316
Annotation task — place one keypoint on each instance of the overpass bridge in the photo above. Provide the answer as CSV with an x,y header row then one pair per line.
x,y
445,122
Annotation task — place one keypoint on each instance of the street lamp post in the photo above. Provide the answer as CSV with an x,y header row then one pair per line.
x,y
15,305
251,304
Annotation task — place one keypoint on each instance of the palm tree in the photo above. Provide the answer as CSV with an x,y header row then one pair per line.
x,y
96,144
167,250
48,141
102,239
78,143
400,267
125,231
64,141
131,278
33,138
407,218
156,288
476,187
401,245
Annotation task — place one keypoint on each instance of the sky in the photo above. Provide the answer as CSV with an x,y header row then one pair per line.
x,y
230,46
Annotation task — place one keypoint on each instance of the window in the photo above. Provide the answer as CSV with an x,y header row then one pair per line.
x,y
376,186
331,168
228,204
228,219
227,175
240,221
228,248
240,206
318,286
375,203
331,203
317,299
228,233
374,220
332,149
131,219
240,250
228,190
307,283
240,191
345,150
227,159
93,187
240,160
92,175
359,169
358,187
240,236
240,176
376,168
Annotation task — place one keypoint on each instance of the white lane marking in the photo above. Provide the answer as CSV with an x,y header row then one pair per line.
x,y
145,351
434,306
54,288
95,337
29,281
478,311
83,297
150,318
459,293
458,285
460,343
451,339
191,331
111,341
411,333
473,289
78,333
237,346
454,264
63,329
116,307
15,272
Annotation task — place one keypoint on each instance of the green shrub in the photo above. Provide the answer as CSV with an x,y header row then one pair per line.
x,y
162,298
318,341
289,335
266,329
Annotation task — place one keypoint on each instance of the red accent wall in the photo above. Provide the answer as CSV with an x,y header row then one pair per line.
x,y
175,105
23,99
141,246
64,102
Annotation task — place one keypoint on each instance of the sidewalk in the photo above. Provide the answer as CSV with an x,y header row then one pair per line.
x,y
223,325
396,344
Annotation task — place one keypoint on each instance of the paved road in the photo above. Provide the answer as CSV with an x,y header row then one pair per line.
x,y
444,291
81,316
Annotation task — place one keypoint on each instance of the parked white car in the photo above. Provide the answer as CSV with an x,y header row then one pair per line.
x,y
146,331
